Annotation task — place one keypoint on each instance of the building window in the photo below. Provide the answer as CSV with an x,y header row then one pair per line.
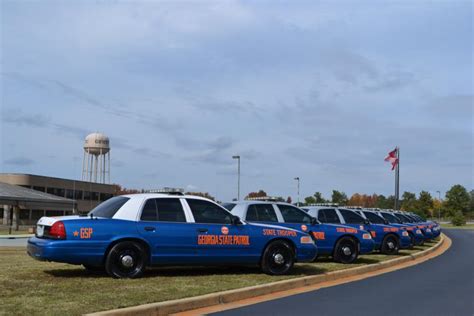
x,y
69,194
94,196
87,195
54,213
39,189
37,214
24,214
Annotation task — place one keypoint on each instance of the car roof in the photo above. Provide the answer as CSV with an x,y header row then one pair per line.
x,y
246,202
164,195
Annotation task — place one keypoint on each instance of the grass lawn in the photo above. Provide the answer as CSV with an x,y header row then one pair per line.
x,y
467,226
31,287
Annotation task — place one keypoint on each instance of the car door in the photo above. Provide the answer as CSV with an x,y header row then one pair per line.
x,y
298,219
163,224
217,239
353,219
329,233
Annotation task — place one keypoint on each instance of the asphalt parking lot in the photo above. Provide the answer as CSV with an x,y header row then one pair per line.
x,y
441,286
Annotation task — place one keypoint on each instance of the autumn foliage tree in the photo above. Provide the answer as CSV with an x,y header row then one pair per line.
x,y
119,190
260,193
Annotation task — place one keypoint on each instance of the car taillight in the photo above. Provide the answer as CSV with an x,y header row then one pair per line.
x,y
58,231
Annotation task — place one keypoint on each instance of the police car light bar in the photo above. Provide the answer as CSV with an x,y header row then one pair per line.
x,y
167,190
323,204
265,198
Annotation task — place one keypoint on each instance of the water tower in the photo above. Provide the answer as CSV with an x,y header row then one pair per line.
x,y
96,161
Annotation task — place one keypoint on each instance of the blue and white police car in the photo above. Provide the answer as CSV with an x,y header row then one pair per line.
x,y
388,239
416,235
343,243
128,233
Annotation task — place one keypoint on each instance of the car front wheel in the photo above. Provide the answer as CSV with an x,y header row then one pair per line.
x,y
278,258
390,245
126,259
346,250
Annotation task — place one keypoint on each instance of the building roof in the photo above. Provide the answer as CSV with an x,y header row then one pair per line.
x,y
28,198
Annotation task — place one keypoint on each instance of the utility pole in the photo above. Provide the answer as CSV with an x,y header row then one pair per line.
x,y
439,207
238,175
298,201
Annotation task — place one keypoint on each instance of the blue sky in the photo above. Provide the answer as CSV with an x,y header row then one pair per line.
x,y
319,90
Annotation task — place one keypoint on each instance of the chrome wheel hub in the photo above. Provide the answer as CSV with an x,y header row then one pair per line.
x,y
127,261
347,251
390,245
278,258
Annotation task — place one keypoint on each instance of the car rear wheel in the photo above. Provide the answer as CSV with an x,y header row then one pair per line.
x,y
346,250
278,258
390,245
126,259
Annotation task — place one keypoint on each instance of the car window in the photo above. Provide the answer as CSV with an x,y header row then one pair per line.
x,y
328,216
207,212
293,215
110,207
351,217
163,210
261,213
149,212
374,218
391,218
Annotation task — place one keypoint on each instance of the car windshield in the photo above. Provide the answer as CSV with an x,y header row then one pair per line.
x,y
229,206
108,208
390,218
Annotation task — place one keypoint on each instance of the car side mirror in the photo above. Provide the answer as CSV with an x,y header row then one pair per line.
x,y
235,220
314,221
366,222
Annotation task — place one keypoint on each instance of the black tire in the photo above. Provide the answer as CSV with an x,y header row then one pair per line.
x,y
127,259
346,250
412,240
94,269
390,245
278,258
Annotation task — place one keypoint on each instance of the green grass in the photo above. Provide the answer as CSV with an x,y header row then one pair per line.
x,y
29,287
467,226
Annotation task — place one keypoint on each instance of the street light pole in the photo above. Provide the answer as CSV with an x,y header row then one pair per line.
x,y
439,207
298,201
238,175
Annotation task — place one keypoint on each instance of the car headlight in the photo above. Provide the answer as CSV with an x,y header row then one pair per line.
x,y
405,233
306,240
366,236
418,231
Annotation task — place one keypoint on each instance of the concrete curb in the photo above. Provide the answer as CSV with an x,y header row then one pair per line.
x,y
16,236
181,305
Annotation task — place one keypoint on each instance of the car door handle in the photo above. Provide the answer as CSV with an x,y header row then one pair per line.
x,y
150,229
203,230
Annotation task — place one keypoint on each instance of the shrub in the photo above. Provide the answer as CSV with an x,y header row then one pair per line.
x,y
458,219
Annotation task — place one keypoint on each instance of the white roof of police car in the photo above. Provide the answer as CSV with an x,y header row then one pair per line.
x,y
131,209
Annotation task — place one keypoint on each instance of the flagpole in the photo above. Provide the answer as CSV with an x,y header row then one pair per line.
x,y
397,180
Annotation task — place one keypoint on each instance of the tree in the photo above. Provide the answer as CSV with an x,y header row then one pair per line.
x,y
424,205
339,197
260,193
309,200
318,196
119,190
457,199
288,200
202,194
408,201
